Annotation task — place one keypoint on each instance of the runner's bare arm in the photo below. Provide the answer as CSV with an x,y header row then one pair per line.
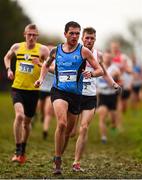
x,y
45,67
9,55
44,53
87,54
8,58
51,57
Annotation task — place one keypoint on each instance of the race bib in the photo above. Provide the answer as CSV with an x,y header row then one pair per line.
x,y
102,83
26,68
86,85
67,76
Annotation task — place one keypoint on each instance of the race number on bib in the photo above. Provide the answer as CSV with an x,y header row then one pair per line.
x,y
67,76
26,68
86,85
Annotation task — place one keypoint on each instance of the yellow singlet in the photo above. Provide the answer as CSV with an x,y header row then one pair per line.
x,y
26,72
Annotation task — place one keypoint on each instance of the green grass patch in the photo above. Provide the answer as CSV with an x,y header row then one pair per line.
x,y
121,157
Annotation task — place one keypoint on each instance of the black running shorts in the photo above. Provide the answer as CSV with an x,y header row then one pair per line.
x,y
28,98
110,101
88,102
72,99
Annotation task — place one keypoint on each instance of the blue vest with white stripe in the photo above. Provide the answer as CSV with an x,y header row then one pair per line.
x,y
68,70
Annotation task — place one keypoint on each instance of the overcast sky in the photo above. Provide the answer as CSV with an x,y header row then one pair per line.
x,y
106,16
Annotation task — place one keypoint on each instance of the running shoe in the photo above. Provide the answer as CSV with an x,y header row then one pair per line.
x,y
57,166
76,167
15,158
22,159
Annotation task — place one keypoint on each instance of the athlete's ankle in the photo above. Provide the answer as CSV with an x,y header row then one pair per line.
x,y
76,162
23,148
18,149
57,158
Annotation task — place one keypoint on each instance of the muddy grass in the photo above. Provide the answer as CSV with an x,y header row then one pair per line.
x,y
120,158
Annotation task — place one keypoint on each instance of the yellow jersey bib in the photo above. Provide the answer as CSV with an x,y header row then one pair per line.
x,y
26,72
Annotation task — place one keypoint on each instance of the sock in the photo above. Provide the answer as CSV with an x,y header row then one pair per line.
x,y
23,148
57,158
45,134
18,148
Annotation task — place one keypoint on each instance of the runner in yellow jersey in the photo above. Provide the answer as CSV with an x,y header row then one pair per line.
x,y
29,58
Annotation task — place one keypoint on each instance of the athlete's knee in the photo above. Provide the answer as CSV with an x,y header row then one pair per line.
x,y
62,125
20,116
26,124
102,116
83,129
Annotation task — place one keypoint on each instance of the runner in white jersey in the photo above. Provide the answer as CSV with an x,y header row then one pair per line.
x,y
44,104
107,96
89,85
88,100
89,88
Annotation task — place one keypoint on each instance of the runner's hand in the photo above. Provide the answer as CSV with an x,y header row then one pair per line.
x,y
87,74
117,88
38,83
10,74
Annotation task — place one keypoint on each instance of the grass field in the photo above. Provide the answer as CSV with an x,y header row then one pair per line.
x,y
121,157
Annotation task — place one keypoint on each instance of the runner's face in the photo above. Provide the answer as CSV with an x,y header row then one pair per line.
x,y
89,40
31,36
72,36
107,58
115,47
